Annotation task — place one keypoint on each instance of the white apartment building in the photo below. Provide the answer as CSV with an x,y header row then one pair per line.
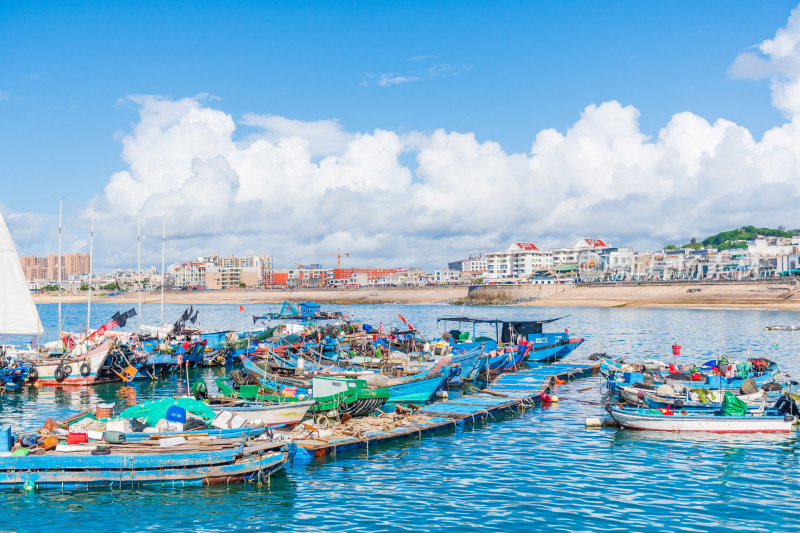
x,y
191,275
521,259
444,276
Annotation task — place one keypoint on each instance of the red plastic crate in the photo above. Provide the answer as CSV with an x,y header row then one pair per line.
x,y
77,438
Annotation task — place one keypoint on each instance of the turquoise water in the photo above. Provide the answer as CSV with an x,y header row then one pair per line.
x,y
537,470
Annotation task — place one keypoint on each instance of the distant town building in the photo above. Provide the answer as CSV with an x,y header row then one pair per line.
x,y
521,259
46,268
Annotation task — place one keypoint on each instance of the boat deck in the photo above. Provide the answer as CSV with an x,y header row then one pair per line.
x,y
509,392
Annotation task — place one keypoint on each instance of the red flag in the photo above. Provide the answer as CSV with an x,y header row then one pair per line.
x,y
405,321
241,309
185,345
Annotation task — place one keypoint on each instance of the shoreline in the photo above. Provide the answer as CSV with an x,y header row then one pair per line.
x,y
747,295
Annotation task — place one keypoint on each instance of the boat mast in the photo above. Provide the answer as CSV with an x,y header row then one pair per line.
x,y
139,261
91,257
163,249
60,206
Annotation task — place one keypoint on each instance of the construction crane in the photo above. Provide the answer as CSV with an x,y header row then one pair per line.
x,y
338,255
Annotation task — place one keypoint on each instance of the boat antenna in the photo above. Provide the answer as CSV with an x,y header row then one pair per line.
x,y
163,278
139,261
60,208
91,257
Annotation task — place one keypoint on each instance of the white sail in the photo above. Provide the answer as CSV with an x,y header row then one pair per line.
x,y
18,314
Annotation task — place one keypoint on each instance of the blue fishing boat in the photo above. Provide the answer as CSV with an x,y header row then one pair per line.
x,y
525,339
421,387
617,379
11,377
190,464
466,360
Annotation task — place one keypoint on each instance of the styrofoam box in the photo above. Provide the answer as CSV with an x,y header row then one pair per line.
x,y
171,441
222,420
123,426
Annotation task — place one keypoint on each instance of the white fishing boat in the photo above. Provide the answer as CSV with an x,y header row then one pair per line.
x,y
83,369
261,414
683,420
688,397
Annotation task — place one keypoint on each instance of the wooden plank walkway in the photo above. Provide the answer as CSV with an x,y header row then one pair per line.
x,y
509,392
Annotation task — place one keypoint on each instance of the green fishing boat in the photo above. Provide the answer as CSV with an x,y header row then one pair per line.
x,y
348,396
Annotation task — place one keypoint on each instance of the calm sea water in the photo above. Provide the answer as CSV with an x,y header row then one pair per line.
x,y
538,470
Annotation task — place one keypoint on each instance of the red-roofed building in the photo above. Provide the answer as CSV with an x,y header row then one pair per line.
x,y
591,243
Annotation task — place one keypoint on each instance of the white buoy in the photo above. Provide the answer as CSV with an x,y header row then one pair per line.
x,y
594,422
554,398
442,394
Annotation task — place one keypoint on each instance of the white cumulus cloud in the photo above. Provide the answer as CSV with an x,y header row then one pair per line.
x,y
778,59
292,187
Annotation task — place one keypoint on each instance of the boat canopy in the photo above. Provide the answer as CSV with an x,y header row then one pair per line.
x,y
517,327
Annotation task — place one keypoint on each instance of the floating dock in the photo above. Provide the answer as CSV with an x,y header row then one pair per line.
x,y
509,392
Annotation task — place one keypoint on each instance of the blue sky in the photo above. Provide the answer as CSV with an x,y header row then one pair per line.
x,y
502,71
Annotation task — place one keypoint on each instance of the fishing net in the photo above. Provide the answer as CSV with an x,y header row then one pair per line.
x,y
242,377
743,369
156,410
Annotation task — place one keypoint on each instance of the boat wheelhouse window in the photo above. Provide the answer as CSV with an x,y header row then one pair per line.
x,y
520,328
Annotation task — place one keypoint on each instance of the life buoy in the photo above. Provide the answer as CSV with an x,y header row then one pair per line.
x,y
58,373
85,370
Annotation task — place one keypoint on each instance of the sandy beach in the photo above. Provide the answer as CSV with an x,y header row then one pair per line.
x,y
765,295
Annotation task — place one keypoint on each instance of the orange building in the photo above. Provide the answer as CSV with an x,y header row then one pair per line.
x,y
46,268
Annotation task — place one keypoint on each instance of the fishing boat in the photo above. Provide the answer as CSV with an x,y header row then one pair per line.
x,y
305,311
287,414
195,461
701,398
86,369
417,388
349,395
525,339
732,415
690,420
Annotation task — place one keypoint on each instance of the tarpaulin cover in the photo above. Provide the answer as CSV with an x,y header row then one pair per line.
x,y
733,406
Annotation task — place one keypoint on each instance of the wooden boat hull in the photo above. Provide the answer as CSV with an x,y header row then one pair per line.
x,y
635,419
251,464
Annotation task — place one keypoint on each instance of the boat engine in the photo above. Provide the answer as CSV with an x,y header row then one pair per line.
x,y
786,405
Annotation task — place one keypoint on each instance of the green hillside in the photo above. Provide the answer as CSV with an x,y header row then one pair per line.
x,y
727,240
